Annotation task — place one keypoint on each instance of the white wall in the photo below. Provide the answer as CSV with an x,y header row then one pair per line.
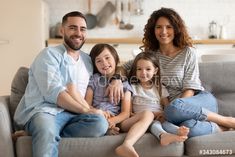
x,y
196,13
21,29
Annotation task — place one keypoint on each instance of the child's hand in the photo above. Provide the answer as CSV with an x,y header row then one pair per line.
x,y
113,131
106,114
159,116
111,124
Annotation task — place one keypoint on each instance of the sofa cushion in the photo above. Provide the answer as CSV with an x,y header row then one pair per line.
x,y
218,144
147,146
18,87
218,78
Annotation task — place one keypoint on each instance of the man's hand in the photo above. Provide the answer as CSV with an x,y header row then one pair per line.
x,y
95,111
115,91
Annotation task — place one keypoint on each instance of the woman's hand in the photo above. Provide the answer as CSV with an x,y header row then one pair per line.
x,y
115,91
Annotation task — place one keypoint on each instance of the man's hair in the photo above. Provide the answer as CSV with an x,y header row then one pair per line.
x,y
72,14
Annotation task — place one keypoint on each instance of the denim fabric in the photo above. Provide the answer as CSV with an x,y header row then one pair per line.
x,y
192,112
86,125
49,74
157,128
46,128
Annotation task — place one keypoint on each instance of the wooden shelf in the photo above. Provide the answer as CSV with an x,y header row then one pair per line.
x,y
139,41
214,41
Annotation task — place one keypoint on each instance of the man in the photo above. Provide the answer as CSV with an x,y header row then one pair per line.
x,y
48,111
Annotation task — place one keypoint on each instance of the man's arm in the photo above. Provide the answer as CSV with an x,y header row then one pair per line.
x,y
115,88
65,101
76,95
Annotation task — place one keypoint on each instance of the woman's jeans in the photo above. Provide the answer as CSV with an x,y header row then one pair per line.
x,y
192,113
47,129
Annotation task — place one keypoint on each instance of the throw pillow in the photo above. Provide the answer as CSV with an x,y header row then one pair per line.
x,y
18,87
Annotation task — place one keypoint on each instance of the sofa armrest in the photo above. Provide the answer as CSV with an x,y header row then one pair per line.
x,y
6,143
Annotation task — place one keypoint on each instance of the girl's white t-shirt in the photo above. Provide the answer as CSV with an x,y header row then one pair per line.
x,y
147,99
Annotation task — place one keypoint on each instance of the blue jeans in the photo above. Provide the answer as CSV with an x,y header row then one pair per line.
x,y
157,128
47,130
192,113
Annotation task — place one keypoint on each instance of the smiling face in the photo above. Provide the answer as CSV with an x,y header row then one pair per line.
x,y
145,71
164,31
74,32
105,63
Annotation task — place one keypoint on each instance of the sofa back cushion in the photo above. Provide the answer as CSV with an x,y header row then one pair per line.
x,y
218,78
18,87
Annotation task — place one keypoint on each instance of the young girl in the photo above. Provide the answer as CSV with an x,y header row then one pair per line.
x,y
105,59
147,93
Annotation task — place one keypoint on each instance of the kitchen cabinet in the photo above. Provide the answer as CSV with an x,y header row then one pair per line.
x,y
22,36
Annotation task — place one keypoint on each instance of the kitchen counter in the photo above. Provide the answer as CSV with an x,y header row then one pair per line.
x,y
139,41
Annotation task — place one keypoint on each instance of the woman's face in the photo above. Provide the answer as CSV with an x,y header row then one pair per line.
x,y
105,63
164,31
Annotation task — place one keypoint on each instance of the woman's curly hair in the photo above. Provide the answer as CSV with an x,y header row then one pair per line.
x,y
182,38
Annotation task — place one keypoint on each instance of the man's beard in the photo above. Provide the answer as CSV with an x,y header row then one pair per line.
x,y
70,44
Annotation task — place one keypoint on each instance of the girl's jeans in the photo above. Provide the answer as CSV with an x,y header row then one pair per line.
x,y
47,129
192,113
157,128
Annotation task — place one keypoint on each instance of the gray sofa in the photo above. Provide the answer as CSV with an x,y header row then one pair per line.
x,y
216,77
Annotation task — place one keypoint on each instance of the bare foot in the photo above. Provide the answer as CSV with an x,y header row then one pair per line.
x,y
167,138
183,131
126,150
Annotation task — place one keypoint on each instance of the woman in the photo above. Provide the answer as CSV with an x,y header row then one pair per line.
x,y
165,33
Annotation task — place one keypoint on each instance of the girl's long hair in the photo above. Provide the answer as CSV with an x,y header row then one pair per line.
x,y
149,56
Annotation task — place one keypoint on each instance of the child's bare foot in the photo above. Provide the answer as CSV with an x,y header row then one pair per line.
x,y
126,150
183,131
17,134
167,138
